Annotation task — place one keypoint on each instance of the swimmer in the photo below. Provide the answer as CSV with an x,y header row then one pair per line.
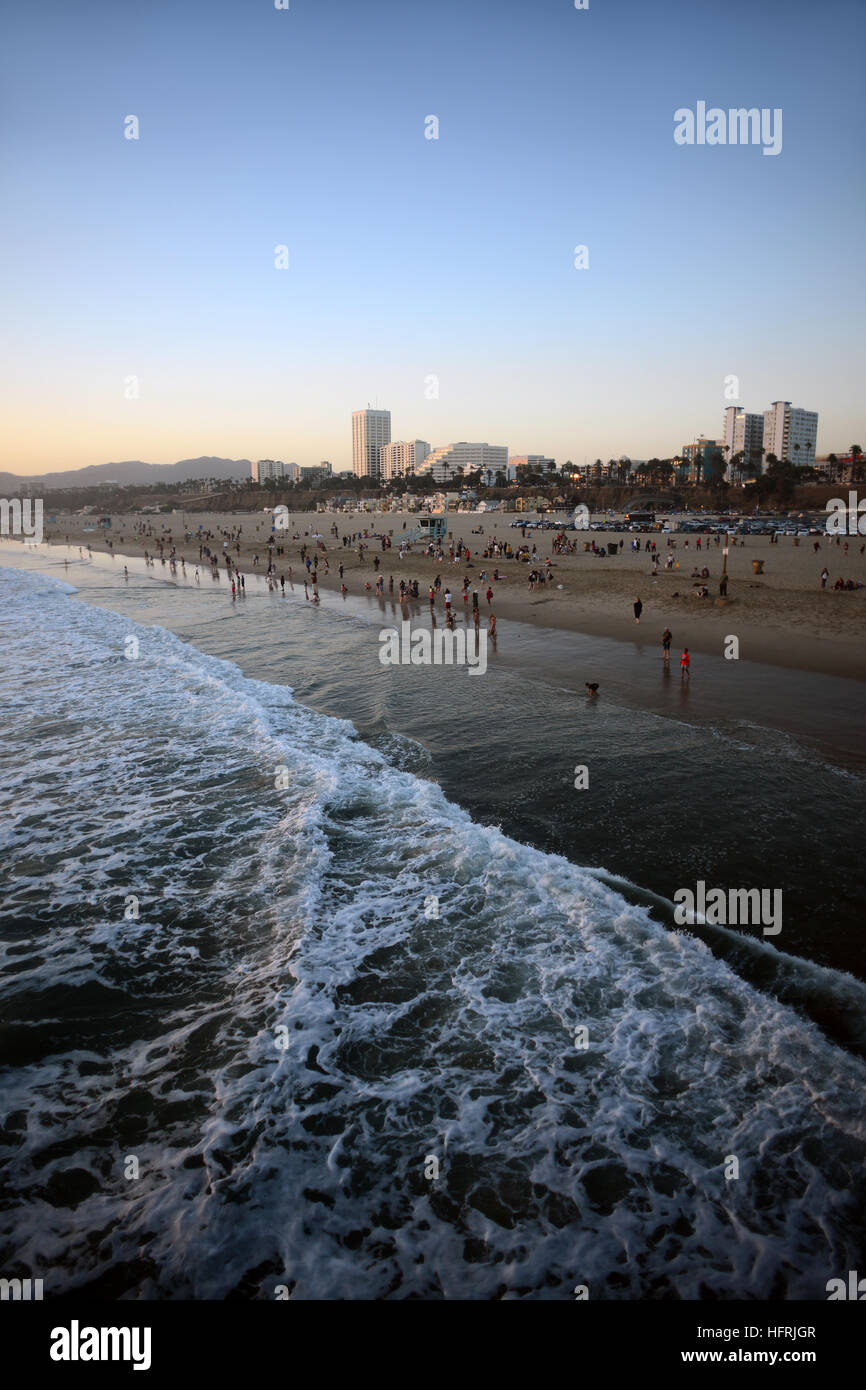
x,y
591,687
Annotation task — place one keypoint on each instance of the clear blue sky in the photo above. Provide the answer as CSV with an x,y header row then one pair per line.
x,y
412,257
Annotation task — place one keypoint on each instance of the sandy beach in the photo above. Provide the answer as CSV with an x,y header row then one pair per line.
x,y
781,617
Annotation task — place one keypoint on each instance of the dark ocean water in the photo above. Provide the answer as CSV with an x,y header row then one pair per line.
x,y
372,916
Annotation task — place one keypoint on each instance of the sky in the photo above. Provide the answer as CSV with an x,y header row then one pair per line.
x,y
431,277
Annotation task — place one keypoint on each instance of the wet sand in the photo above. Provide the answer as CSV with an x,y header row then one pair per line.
x,y
781,617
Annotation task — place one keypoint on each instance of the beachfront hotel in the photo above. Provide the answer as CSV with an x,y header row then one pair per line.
x,y
695,457
743,435
790,433
539,463
371,431
265,469
403,457
451,460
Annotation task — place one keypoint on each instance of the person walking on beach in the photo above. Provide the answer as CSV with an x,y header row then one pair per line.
x,y
685,663
667,638
638,608
825,575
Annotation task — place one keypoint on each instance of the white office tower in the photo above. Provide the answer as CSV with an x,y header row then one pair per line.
x,y
451,461
403,457
371,431
743,434
791,433
267,468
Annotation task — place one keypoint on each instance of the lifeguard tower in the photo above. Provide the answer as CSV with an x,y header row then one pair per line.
x,y
433,528
429,528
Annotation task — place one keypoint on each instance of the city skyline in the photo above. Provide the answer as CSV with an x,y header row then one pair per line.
x,y
781,431
199,288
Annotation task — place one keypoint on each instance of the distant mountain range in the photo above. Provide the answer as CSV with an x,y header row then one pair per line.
x,y
130,471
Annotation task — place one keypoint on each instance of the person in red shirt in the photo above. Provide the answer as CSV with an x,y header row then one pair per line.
x,y
685,663
489,595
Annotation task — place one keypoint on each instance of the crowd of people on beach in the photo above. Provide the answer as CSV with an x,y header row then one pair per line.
x,y
223,548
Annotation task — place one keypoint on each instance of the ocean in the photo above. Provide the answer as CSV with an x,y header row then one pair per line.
x,y
322,975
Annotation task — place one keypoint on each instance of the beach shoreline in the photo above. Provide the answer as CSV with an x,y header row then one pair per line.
x,y
780,617
816,708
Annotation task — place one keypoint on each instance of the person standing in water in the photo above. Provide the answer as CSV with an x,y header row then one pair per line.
x,y
667,638
638,608
685,664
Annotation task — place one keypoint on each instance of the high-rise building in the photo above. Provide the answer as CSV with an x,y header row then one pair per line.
x,y
371,431
264,469
744,434
403,457
790,433
316,473
451,461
